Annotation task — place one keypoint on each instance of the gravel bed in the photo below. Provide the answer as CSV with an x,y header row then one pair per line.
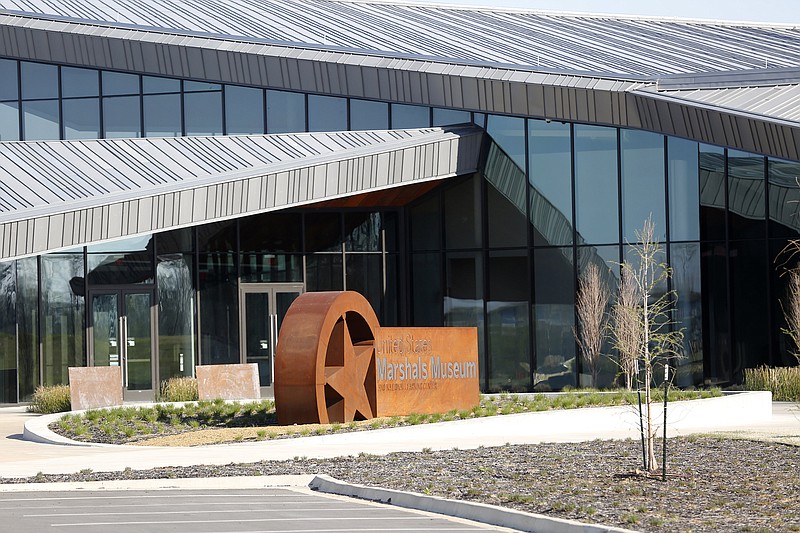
x,y
718,484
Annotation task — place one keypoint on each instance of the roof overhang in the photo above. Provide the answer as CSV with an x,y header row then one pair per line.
x,y
61,194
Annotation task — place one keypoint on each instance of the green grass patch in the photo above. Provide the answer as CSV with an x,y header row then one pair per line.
x,y
783,382
50,399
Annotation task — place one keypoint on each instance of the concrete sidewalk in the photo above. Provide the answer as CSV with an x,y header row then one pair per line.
x,y
748,412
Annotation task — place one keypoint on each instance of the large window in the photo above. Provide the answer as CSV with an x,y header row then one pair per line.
x,y
596,196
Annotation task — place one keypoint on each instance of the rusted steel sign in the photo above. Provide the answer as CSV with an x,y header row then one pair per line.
x,y
334,363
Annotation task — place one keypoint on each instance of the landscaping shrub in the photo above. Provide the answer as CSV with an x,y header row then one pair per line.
x,y
50,399
783,382
183,389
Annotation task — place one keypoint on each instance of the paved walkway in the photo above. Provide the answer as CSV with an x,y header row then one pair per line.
x,y
19,458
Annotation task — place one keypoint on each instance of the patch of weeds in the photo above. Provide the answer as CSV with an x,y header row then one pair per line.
x,y
630,518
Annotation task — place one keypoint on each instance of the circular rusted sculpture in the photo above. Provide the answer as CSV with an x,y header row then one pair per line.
x,y
325,360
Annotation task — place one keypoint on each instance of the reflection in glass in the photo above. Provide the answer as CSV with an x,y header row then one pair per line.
x,y
257,338
447,117
9,121
79,82
39,80
643,184
40,120
327,113
505,200
81,118
686,282
8,80
550,178
62,317
463,297
784,199
508,322
108,266
324,272
121,117
286,112
716,329
323,232
218,293
749,305
684,190
244,110
746,200
554,318
426,290
105,329
425,224
176,304
8,332
27,321
712,192
509,134
596,197
368,115
462,215
365,276
116,83
270,248
162,115
203,112
783,347
152,84
197,86
139,340
410,116
362,232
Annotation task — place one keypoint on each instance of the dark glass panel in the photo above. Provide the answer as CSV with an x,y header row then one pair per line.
x,y
688,316
9,88
270,248
244,110
27,320
198,86
606,259
79,82
62,316
365,276
505,200
39,80
162,115
391,299
323,232
116,83
153,85
368,115
121,262
509,134
596,197
749,305
362,232
40,120
508,321
479,119
176,303
218,293
122,117
426,224
391,226
203,112
81,118
746,196
554,318
550,178
8,332
139,336
784,199
446,117
463,296
327,113
410,116
643,193
716,326
426,289
257,326
9,121
324,272
462,215
684,190
781,261
711,160
286,112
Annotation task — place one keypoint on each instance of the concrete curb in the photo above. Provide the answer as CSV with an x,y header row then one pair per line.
x,y
208,483
478,512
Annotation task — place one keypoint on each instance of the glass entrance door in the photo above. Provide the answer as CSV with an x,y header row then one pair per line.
x,y
263,308
122,335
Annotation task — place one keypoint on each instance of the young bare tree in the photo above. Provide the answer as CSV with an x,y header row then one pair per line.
x,y
625,329
659,340
590,305
792,311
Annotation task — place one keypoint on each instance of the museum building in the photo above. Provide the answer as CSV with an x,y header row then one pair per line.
x,y
174,174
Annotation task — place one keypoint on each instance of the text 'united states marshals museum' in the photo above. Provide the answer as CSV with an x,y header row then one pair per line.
x,y
174,173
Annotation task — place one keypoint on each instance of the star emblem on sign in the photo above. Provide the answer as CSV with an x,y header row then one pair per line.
x,y
347,367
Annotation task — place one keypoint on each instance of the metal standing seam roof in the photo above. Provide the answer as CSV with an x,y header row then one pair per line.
x,y
603,44
60,194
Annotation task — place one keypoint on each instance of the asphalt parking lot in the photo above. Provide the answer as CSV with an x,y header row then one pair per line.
x,y
207,511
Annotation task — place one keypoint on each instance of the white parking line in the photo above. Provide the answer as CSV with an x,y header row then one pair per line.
x,y
240,520
204,505
222,511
